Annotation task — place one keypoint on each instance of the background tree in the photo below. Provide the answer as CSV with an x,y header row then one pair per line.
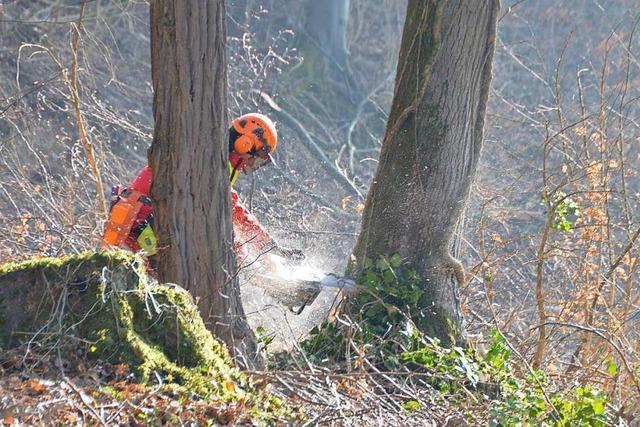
x,y
431,150
189,158
326,28
321,40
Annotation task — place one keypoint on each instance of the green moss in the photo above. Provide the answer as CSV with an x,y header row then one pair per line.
x,y
124,317
158,330
96,258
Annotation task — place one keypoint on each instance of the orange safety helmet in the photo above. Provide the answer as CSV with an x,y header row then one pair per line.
x,y
257,133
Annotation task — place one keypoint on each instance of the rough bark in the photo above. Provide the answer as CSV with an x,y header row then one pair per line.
x,y
431,149
189,158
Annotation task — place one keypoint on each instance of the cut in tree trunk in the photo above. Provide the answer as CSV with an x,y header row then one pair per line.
x,y
189,157
431,149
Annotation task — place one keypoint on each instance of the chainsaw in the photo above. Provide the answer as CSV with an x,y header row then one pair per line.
x,y
297,286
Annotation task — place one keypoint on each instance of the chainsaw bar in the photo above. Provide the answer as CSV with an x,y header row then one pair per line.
x,y
298,294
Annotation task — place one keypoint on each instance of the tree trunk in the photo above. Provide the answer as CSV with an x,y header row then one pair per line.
x,y
189,157
431,149
322,42
326,27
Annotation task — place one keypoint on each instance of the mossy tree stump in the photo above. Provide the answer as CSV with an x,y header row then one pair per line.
x,y
105,305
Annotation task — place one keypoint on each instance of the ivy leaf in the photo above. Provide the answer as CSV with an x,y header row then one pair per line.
x,y
612,366
383,264
412,406
598,407
415,296
395,260
389,277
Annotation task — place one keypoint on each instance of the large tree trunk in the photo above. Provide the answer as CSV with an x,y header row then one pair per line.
x,y
189,157
431,149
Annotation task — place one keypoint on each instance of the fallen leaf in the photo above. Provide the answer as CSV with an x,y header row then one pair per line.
x,y
121,370
70,418
345,202
35,386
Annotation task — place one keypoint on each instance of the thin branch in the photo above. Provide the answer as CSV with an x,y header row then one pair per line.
x,y
87,145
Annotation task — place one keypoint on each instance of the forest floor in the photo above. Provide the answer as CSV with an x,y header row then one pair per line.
x,y
49,381
43,393
98,394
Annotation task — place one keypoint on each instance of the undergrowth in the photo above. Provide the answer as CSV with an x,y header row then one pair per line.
x,y
377,330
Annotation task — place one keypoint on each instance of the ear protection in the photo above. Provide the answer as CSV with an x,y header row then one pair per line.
x,y
245,143
247,140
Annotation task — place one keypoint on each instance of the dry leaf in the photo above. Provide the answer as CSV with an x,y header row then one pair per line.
x,y
121,370
352,388
70,417
35,386
345,202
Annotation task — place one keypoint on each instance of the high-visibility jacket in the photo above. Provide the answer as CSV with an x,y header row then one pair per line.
x,y
134,211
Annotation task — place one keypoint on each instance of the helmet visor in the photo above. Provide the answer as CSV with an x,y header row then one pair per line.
x,y
256,161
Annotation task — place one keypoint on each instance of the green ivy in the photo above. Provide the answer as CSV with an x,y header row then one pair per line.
x,y
565,213
392,294
381,315
412,406
534,400
447,363
382,325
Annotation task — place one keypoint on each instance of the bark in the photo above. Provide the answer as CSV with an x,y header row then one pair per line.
x,y
431,149
189,158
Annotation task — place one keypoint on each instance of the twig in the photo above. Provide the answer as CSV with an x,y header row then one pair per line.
x,y
87,145
317,152
600,334
82,397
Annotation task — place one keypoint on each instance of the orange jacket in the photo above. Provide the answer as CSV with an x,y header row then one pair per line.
x,y
247,229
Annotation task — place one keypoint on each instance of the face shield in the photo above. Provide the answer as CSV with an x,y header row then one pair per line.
x,y
257,160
